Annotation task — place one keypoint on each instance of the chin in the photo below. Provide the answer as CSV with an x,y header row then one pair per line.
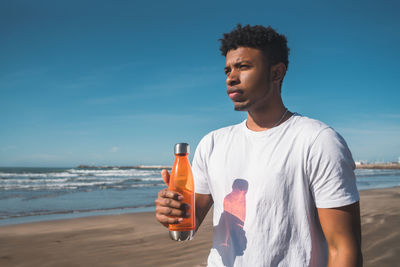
x,y
241,107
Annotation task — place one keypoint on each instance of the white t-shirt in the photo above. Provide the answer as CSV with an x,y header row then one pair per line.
x,y
266,187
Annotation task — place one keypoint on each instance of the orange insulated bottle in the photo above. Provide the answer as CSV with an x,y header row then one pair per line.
x,y
181,181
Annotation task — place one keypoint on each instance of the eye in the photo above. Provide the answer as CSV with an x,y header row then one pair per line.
x,y
227,71
244,66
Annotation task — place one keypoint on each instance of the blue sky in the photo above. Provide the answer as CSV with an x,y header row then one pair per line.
x,y
120,82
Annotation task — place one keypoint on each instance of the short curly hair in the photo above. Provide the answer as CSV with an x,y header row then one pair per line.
x,y
273,44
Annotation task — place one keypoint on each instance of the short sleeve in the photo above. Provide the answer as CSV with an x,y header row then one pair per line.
x,y
199,166
330,167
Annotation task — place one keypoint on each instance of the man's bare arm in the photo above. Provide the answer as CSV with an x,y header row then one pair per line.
x,y
342,230
203,205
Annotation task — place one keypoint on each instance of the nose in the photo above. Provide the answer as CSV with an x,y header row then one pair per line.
x,y
233,78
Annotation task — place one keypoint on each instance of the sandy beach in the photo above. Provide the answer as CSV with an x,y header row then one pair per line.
x,y
138,240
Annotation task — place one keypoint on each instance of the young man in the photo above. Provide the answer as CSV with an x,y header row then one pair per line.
x,y
282,185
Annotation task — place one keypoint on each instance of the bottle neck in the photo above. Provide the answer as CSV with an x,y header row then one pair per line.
x,y
182,155
182,158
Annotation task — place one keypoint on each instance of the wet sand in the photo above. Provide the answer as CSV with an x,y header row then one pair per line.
x,y
138,239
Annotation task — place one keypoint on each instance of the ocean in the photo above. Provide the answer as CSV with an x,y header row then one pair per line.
x,y
39,194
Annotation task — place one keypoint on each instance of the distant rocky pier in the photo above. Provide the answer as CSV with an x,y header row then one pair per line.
x,y
392,165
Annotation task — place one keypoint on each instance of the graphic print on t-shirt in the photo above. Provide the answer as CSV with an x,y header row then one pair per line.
x,y
231,240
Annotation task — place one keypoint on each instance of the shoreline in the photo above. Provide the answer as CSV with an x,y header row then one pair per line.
x,y
138,239
61,215
382,166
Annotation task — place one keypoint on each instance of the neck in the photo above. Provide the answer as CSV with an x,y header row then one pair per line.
x,y
268,117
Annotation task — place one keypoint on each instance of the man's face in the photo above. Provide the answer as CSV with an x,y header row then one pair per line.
x,y
247,80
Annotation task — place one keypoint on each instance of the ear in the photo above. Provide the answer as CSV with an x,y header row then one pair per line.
x,y
278,72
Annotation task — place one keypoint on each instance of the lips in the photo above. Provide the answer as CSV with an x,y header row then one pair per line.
x,y
234,94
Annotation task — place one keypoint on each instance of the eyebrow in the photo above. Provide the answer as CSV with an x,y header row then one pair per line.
x,y
237,64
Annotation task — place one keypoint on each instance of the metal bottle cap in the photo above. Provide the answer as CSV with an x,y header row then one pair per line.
x,y
182,148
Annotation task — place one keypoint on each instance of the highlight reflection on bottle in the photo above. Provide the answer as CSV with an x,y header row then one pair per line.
x,y
181,181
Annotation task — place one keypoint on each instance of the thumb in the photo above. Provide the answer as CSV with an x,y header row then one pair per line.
x,y
165,176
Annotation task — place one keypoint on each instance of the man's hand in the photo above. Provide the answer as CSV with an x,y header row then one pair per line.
x,y
169,206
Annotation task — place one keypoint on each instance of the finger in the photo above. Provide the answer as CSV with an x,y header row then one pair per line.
x,y
186,208
168,202
165,176
165,193
164,206
168,220
168,211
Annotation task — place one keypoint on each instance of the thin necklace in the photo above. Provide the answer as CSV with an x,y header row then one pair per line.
x,y
283,116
